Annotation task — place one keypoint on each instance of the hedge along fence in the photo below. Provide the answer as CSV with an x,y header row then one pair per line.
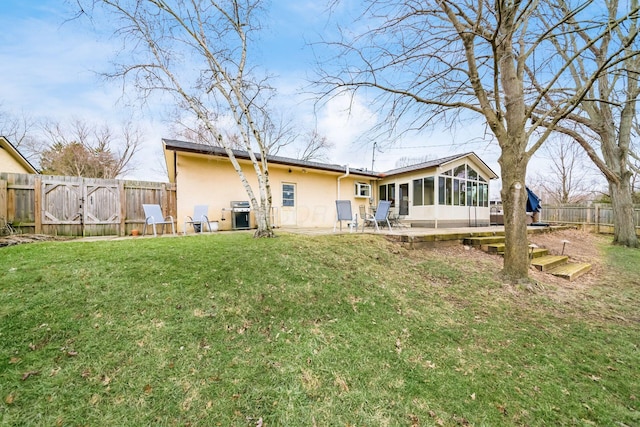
x,y
74,206
597,217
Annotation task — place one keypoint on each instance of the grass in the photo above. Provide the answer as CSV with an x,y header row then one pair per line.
x,y
301,331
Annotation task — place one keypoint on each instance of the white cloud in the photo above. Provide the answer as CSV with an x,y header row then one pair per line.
x,y
344,120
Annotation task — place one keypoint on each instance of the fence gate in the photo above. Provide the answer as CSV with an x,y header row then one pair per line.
x,y
101,203
62,202
81,204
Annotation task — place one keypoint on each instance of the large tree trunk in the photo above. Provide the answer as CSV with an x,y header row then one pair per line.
x,y
624,232
264,225
514,201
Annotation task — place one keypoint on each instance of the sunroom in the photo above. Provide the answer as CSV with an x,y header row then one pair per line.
x,y
448,192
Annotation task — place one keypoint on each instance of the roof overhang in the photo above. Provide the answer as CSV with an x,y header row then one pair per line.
x,y
477,160
443,162
171,147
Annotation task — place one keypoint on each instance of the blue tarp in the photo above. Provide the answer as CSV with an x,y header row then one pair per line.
x,y
533,201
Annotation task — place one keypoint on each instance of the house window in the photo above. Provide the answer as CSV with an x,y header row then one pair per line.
x,y
288,195
429,198
423,191
387,192
472,173
363,190
471,193
462,186
441,190
418,192
456,192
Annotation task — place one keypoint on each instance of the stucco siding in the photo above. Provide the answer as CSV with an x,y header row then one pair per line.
x,y
9,164
212,181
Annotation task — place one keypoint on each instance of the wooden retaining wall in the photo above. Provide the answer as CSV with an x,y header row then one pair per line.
x,y
73,206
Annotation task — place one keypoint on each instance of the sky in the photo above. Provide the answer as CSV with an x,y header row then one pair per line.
x,y
50,65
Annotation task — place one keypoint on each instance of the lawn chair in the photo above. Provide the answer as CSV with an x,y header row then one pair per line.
x,y
153,216
343,208
199,219
382,215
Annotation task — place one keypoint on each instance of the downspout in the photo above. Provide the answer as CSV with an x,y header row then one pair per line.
x,y
346,174
175,167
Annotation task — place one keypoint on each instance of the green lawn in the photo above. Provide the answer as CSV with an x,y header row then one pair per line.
x,y
342,330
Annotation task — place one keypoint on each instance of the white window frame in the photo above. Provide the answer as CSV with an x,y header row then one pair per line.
x,y
363,190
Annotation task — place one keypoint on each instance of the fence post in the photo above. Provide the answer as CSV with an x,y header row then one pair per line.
x,y
123,208
38,189
598,219
3,200
164,199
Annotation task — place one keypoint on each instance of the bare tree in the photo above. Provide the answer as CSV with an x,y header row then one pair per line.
x,y
315,147
21,131
566,179
604,122
198,51
456,59
83,149
197,132
409,161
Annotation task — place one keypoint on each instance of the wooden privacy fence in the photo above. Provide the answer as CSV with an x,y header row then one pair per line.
x,y
597,216
73,206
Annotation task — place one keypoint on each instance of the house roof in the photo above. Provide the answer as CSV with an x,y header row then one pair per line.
x,y
191,147
13,152
441,162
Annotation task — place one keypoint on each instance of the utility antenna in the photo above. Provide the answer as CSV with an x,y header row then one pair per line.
x,y
373,156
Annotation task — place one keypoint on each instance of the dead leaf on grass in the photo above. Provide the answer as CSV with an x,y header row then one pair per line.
x,y
341,383
14,360
9,399
29,374
95,398
461,421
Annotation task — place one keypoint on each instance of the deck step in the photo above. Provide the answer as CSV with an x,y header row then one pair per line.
x,y
571,270
557,265
481,241
548,262
538,253
494,248
498,248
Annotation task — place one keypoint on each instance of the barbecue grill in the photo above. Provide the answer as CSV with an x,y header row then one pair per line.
x,y
240,215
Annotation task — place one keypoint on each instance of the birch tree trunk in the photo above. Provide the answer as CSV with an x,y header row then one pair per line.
x,y
198,52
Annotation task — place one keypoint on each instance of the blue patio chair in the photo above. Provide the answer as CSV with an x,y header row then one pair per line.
x,y
153,216
381,216
199,219
343,208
